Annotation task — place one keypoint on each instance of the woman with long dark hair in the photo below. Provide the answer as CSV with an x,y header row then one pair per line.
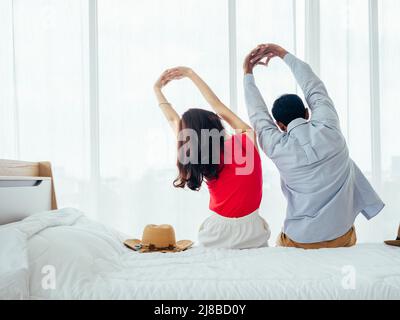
x,y
230,166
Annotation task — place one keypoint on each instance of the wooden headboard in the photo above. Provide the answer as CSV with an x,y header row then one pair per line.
x,y
14,168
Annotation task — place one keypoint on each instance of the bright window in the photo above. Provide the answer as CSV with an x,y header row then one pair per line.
x,y
345,70
45,104
137,159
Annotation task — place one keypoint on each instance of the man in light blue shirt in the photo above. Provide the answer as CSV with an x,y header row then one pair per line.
x,y
324,188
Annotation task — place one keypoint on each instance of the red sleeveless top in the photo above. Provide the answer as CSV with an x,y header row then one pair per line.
x,y
238,190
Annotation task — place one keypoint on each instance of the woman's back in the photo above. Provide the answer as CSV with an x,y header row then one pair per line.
x,y
237,191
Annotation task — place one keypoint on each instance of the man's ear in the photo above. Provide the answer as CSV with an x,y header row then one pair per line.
x,y
281,126
307,115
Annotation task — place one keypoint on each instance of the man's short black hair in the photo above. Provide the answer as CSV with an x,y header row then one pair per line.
x,y
288,108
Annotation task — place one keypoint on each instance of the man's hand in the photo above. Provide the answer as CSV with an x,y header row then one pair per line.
x,y
273,50
262,55
252,59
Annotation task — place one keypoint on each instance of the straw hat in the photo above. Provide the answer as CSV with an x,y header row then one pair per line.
x,y
158,238
394,242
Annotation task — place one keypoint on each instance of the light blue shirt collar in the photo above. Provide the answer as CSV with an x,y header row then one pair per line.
x,y
295,123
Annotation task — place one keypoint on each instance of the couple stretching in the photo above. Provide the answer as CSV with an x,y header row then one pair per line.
x,y
324,188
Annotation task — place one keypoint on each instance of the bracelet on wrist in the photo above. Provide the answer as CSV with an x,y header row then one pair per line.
x,y
163,103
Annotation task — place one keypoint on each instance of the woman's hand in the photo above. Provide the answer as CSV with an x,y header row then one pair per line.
x,y
178,73
168,75
161,81
170,114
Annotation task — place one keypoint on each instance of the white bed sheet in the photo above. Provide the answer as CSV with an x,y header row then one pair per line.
x,y
90,262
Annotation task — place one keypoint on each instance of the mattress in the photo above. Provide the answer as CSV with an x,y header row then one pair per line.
x,y
64,255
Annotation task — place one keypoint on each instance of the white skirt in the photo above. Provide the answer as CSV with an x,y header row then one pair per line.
x,y
250,231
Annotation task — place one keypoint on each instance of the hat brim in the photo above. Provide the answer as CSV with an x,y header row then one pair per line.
x,y
131,243
395,243
183,244
180,246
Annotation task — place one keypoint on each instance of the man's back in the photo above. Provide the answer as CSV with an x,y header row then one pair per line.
x,y
324,188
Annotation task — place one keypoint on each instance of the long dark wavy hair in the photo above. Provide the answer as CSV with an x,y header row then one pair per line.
x,y
192,174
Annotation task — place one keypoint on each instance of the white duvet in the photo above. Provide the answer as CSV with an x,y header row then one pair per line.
x,y
63,255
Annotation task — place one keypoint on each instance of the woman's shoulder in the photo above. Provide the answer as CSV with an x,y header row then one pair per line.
x,y
244,137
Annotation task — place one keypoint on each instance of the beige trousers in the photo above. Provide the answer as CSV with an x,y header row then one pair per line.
x,y
347,240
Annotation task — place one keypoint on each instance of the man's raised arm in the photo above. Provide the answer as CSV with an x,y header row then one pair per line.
x,y
267,132
314,90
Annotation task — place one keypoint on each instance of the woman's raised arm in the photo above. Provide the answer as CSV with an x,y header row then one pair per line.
x,y
169,112
219,108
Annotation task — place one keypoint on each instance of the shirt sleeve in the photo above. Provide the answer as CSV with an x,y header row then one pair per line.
x,y
314,90
267,132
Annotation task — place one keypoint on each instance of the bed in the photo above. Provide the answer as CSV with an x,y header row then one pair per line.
x,y
61,254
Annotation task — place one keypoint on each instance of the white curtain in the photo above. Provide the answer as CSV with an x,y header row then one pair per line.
x,y
44,89
46,112
345,69
389,28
